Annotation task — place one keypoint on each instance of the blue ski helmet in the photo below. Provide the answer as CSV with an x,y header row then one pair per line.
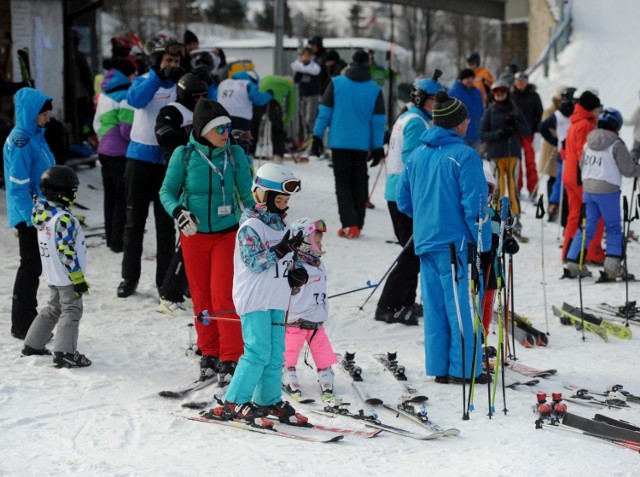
x,y
425,87
611,119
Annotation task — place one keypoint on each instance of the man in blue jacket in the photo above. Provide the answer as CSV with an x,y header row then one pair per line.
x,y
444,189
465,90
26,157
146,165
353,107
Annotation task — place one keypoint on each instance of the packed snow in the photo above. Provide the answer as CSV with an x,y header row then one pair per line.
x,y
109,420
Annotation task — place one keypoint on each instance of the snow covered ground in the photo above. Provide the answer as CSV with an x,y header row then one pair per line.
x,y
108,419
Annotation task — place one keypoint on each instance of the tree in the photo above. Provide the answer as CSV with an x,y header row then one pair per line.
x,y
265,20
422,30
228,12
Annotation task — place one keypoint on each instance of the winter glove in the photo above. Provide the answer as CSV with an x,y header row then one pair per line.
x,y
376,156
171,73
187,221
297,277
287,244
80,286
316,146
511,245
506,130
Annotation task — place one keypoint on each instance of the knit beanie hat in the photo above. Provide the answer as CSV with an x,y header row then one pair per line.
x,y
332,55
190,37
361,56
448,112
589,101
466,73
207,115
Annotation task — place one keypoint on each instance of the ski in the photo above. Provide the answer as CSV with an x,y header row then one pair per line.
x,y
616,391
390,363
615,422
408,410
614,317
555,425
265,430
370,420
573,317
624,311
296,395
522,322
582,396
604,278
522,336
194,386
589,425
515,384
525,370
611,328
348,365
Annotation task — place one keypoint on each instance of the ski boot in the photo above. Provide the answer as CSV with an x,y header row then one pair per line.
x,y
542,407
208,367
285,413
226,369
558,408
70,360
247,412
325,378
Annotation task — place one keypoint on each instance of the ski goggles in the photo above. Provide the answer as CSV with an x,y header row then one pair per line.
x,y
290,186
223,128
201,95
176,49
320,226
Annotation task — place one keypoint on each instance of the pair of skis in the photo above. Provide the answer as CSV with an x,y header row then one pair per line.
x,y
595,324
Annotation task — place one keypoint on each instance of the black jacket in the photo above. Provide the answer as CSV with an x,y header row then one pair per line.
x,y
496,119
530,104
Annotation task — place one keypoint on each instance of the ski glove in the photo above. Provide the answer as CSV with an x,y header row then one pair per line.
x,y
506,131
187,221
287,244
80,286
171,73
376,156
316,146
297,277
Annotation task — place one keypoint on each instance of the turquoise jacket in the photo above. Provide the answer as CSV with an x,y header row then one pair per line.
x,y
26,156
190,181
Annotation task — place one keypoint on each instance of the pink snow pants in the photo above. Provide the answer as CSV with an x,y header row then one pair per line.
x,y
320,347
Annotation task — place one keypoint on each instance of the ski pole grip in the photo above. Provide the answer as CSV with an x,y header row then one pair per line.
x,y
470,253
540,208
452,253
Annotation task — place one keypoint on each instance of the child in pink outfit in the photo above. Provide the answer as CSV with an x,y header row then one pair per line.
x,y
308,311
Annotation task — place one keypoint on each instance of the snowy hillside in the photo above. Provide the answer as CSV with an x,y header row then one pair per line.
x,y
109,420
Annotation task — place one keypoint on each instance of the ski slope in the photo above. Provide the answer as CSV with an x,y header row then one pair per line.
x,y
109,420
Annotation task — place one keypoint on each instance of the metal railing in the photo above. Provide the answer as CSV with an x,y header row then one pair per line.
x,y
558,41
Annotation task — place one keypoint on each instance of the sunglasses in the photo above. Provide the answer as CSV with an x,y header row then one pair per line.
x,y
223,128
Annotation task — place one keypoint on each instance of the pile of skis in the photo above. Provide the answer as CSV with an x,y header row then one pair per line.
x,y
598,325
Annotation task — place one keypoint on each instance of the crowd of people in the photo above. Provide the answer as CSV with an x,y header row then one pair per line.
x,y
165,138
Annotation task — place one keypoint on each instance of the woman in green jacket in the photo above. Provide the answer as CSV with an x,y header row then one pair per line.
x,y
207,184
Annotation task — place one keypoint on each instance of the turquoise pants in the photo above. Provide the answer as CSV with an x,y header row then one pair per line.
x,y
258,376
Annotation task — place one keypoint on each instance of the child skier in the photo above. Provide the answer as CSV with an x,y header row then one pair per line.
x,y
265,273
308,311
63,256
488,258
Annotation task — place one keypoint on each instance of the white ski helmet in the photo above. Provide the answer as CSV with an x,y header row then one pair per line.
x,y
491,181
309,227
276,178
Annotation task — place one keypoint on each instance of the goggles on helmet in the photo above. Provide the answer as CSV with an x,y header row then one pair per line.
x,y
290,186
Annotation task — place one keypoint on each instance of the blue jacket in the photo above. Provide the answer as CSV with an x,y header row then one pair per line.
x,y
411,134
443,188
472,99
26,156
353,107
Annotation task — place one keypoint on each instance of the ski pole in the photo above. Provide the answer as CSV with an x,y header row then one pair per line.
x,y
369,285
540,215
375,287
583,219
454,283
472,310
626,225
512,308
560,205
382,165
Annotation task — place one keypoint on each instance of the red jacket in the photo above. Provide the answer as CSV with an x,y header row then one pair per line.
x,y
582,123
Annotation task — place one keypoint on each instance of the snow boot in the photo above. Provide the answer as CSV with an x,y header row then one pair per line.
x,y
208,367
290,379
127,288
285,413
29,351
171,308
614,269
70,360
404,315
572,270
225,372
418,309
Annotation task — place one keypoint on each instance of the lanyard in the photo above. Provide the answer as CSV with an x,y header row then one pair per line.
x,y
215,169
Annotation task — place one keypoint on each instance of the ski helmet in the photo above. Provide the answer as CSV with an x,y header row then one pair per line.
x,y
59,184
166,45
309,227
423,88
500,84
204,59
567,94
190,89
276,178
491,182
611,119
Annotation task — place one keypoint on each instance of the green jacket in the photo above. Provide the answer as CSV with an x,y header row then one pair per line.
x,y
283,92
191,182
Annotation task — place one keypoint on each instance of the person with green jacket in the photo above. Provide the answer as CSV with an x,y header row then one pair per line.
x,y
207,184
280,111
